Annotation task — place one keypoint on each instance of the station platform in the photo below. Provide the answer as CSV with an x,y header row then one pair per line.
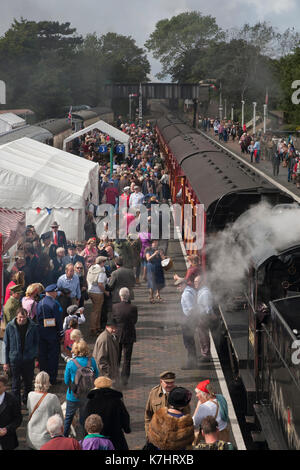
x,y
159,347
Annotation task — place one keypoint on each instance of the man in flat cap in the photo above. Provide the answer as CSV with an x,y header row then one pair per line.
x,y
13,303
158,397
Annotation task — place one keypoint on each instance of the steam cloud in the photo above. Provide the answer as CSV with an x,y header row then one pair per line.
x,y
230,252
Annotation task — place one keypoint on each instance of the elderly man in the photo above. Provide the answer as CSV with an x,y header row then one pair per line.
x,y
50,331
189,321
10,417
126,316
70,281
204,312
55,427
158,397
58,237
21,342
58,263
106,352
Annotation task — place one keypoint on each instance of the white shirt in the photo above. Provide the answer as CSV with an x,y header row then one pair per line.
x,y
204,301
2,397
209,408
136,199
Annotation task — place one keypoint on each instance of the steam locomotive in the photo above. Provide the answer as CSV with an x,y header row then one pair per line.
x,y
261,325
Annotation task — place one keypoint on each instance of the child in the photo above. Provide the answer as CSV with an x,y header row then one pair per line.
x,y
73,312
72,335
94,440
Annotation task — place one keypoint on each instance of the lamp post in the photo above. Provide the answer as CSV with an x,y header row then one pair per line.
x,y
232,111
254,117
220,104
243,113
265,118
111,156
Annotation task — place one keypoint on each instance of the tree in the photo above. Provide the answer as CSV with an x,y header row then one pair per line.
x,y
24,51
176,42
124,61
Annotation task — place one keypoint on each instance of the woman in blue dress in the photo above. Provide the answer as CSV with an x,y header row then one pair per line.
x,y
155,272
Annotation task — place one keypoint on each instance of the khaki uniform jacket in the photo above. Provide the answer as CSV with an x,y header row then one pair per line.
x,y
106,355
10,309
157,399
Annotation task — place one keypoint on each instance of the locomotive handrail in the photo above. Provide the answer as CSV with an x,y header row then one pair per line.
x,y
265,329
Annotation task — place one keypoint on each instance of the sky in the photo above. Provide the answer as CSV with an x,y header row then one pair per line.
x,y
137,19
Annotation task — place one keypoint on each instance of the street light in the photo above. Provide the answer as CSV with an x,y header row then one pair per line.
x,y
265,118
254,117
243,113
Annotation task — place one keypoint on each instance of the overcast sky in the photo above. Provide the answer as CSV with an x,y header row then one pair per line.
x,y
137,18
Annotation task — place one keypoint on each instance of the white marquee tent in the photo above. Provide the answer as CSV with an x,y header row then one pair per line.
x,y
48,184
106,129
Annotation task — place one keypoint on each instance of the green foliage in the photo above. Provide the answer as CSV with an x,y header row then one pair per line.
x,y
178,41
47,66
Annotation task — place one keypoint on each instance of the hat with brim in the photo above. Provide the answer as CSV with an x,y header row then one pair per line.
x,y
16,289
55,224
167,376
51,288
72,309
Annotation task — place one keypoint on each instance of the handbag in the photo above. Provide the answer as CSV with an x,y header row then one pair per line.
x,y
37,405
48,322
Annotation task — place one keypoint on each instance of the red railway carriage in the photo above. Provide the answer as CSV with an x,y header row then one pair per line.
x,y
202,173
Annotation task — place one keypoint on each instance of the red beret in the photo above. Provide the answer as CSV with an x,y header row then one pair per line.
x,y
202,386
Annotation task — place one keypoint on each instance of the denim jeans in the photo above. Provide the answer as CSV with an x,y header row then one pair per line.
x,y
71,408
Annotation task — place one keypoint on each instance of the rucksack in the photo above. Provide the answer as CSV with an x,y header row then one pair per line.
x,y
84,379
93,274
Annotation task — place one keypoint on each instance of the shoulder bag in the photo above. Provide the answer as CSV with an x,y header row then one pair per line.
x,y
37,405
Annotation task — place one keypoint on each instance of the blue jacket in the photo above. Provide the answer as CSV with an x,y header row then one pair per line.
x,y
12,342
70,373
49,308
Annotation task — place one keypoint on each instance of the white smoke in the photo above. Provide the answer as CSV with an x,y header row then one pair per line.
x,y
231,251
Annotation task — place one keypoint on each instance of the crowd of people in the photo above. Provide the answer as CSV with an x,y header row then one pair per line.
x,y
281,152
47,285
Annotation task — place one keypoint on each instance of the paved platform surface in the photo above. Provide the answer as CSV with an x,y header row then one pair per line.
x,y
159,347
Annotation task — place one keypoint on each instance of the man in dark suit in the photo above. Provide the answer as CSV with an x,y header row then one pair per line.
x,y
72,256
10,417
58,237
125,314
121,277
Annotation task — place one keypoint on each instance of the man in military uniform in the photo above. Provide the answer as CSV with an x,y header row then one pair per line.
x,y
158,397
51,332
13,303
